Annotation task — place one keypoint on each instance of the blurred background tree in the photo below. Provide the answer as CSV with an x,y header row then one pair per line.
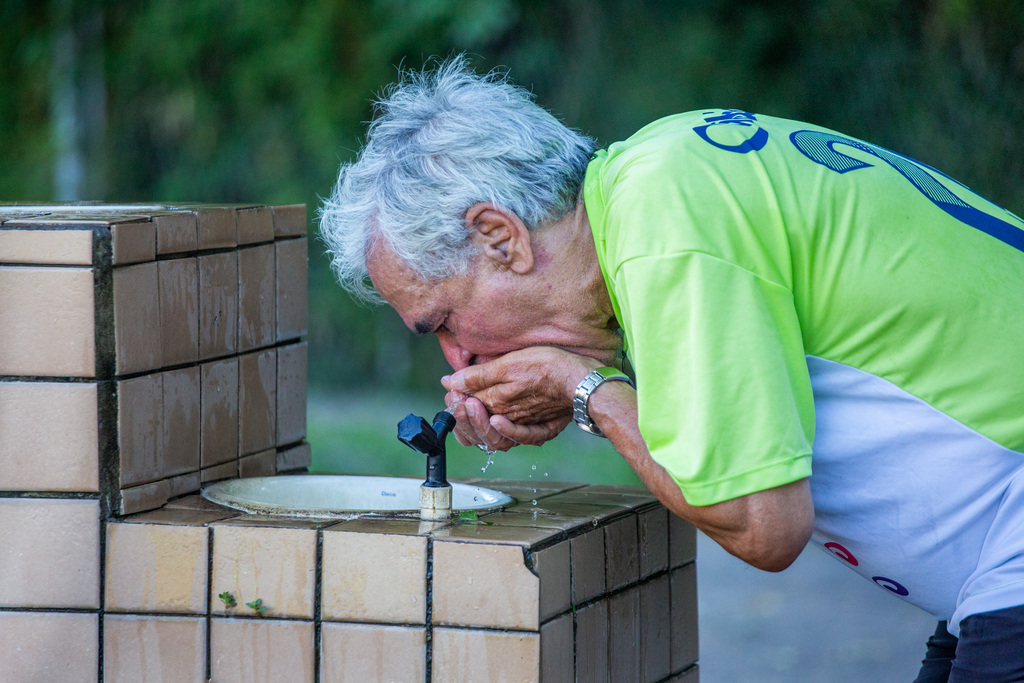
x,y
241,100
246,100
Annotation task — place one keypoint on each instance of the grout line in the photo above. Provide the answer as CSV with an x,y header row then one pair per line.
x,y
209,602
317,603
429,641
54,495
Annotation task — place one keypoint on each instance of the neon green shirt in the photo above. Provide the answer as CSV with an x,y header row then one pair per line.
x,y
726,267
797,303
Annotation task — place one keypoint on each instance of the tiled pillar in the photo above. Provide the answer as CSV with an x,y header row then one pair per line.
x,y
119,390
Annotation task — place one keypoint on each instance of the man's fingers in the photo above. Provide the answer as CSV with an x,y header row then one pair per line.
x,y
532,435
475,377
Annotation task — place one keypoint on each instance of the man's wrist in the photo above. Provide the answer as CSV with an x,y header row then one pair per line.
x,y
586,388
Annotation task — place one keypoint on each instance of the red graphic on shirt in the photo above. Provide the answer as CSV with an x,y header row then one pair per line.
x,y
842,553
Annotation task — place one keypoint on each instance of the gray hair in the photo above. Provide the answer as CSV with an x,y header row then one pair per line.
x,y
443,140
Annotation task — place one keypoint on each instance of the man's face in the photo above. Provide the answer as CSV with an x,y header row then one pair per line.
x,y
483,314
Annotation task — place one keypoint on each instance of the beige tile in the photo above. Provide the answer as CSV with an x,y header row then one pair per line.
x,y
218,304
181,423
156,568
652,526
255,520
292,288
183,516
215,227
137,332
257,402
153,649
592,642
683,586
274,565
374,577
473,532
655,629
176,233
140,428
179,310
289,220
588,566
552,567
556,651
291,393
47,321
470,656
255,224
133,243
629,497
49,552
385,525
28,245
263,464
540,517
261,651
218,434
49,646
50,436
228,470
477,584
622,562
682,541
256,297
357,653
143,497
624,636
295,458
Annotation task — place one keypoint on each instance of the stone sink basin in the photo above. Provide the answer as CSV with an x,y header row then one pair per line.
x,y
342,496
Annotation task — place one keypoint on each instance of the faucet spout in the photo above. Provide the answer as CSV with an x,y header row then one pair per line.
x,y
417,434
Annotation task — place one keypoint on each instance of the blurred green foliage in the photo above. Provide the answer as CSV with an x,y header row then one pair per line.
x,y
243,100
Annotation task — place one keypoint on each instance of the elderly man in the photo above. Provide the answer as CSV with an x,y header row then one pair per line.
x,y
790,299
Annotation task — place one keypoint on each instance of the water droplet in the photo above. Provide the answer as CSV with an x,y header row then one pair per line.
x,y
534,467
545,474
533,502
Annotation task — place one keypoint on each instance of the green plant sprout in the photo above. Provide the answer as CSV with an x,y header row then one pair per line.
x,y
472,516
229,599
257,606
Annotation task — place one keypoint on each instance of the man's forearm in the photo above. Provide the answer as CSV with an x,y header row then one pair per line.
x,y
767,529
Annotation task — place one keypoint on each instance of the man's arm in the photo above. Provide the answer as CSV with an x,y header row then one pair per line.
x,y
767,529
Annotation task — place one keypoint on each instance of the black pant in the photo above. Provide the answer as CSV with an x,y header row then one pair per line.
x,y
990,649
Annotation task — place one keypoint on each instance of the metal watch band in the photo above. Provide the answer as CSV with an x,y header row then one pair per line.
x,y
581,397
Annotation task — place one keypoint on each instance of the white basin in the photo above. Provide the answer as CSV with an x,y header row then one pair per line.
x,y
341,496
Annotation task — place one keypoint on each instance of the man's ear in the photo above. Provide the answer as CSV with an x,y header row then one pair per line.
x,y
504,238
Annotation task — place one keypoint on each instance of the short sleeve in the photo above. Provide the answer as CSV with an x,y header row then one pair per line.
x,y
725,400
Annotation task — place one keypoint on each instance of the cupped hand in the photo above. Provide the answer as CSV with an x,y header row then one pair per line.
x,y
522,397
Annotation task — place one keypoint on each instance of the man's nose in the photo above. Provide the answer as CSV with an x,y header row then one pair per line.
x,y
457,356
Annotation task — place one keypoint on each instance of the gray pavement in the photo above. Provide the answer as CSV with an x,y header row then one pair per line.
x,y
816,621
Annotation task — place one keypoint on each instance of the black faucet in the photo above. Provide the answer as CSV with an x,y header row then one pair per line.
x,y
417,434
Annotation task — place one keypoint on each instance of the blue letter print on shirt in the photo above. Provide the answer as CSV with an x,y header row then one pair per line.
x,y
740,118
820,147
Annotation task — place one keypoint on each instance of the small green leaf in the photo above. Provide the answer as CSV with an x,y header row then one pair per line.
x,y
257,605
469,514
228,598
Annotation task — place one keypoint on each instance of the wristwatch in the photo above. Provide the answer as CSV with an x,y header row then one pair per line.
x,y
581,397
